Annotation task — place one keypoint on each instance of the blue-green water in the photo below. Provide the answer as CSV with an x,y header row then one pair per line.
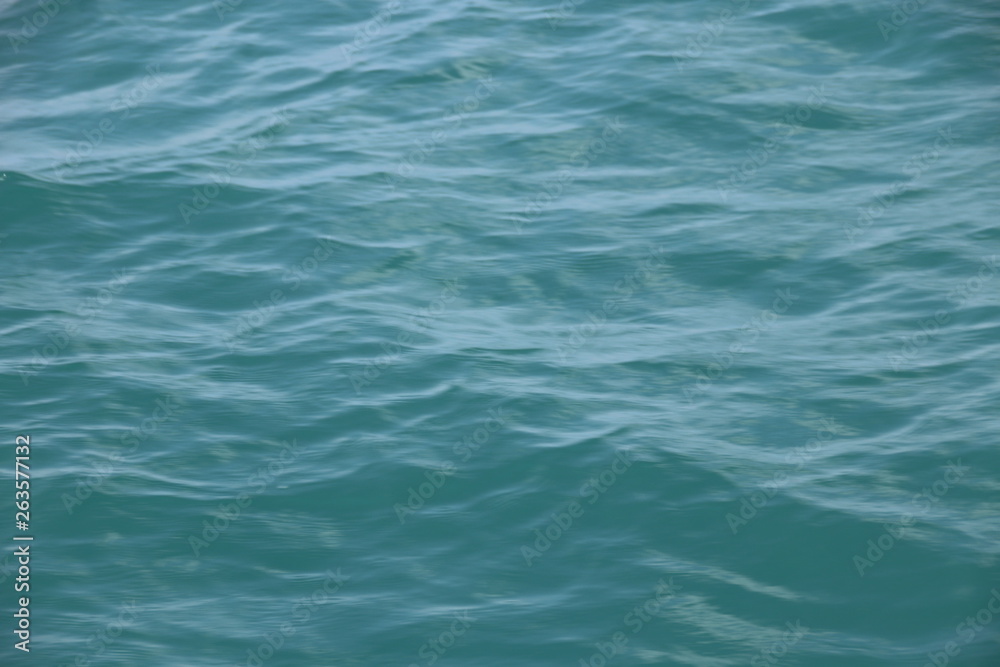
x,y
496,333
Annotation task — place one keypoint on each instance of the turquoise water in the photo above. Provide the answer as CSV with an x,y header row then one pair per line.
x,y
496,333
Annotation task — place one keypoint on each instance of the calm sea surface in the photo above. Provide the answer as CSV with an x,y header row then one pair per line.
x,y
498,333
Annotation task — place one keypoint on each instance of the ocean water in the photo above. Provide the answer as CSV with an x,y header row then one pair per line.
x,y
502,333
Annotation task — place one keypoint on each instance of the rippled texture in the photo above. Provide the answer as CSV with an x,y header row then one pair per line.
x,y
493,333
